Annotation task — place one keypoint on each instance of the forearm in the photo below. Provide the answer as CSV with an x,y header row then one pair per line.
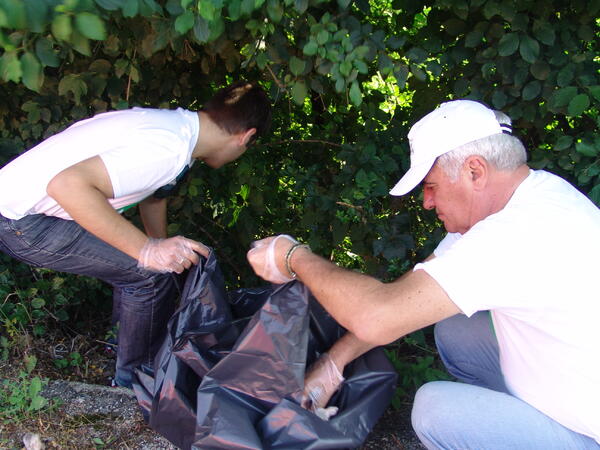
x,y
376,313
347,349
91,210
153,212
346,295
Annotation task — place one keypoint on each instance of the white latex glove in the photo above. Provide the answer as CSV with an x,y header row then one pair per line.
x,y
170,255
263,257
320,383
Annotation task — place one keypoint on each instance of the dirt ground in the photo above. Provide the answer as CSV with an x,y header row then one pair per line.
x,y
86,413
97,417
90,416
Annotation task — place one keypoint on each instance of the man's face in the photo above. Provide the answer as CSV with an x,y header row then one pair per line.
x,y
452,201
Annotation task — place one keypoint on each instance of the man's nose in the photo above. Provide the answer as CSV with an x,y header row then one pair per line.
x,y
428,202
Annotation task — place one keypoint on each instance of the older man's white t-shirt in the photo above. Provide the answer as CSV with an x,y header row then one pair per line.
x,y
536,266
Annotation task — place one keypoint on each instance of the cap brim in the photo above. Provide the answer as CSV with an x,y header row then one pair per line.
x,y
412,178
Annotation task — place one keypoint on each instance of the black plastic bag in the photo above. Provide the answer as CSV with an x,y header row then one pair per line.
x,y
230,373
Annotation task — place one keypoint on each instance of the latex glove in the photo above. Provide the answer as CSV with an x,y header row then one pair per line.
x,y
170,255
320,383
264,254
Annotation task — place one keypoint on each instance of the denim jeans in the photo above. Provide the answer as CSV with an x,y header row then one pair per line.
x,y
478,412
145,300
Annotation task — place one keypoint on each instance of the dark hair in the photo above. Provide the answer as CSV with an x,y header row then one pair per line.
x,y
240,107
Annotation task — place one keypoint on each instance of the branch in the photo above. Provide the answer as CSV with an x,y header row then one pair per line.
x,y
279,83
302,141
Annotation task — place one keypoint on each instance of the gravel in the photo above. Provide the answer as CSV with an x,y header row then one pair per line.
x,y
105,417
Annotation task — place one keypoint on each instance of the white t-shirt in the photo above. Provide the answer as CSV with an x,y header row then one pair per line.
x,y
142,149
535,265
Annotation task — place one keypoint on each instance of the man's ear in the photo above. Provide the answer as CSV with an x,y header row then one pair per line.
x,y
246,136
478,170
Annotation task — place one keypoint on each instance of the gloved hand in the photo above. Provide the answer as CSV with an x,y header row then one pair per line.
x,y
170,255
320,383
264,255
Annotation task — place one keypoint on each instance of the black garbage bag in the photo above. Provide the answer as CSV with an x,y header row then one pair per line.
x,y
230,372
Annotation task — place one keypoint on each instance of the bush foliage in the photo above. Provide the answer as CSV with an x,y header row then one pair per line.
x,y
347,80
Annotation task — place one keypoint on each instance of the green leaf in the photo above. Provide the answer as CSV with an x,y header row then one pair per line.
x,y
275,10
532,90
206,9
343,4
355,94
10,67
499,99
594,195
15,15
301,6
299,92
235,9
578,105
131,8
111,5
38,302
33,76
473,39
81,43
74,84
184,22
297,65
566,75
247,7
540,70
45,52
563,142
310,49
91,26
323,37
61,27
37,15
201,30
30,363
508,44
35,387
587,148
544,32
595,91
361,66
529,49
563,96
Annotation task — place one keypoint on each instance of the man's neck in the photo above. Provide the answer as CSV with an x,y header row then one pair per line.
x,y
211,138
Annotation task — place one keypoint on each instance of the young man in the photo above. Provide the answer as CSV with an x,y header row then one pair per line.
x,y
513,288
61,200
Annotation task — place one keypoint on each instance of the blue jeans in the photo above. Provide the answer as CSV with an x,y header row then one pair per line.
x,y
145,300
478,412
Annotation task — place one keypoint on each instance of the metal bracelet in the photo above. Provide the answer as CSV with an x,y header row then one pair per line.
x,y
288,257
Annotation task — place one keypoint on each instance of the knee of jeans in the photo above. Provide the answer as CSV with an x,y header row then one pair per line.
x,y
431,407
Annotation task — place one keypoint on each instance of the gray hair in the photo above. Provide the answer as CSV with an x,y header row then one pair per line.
x,y
503,151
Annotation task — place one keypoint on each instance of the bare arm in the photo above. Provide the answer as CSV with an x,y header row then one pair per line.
x,y
376,313
153,212
82,190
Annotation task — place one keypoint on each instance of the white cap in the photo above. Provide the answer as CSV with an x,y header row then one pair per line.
x,y
448,127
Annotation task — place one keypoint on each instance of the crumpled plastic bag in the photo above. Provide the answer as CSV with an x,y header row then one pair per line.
x,y
230,372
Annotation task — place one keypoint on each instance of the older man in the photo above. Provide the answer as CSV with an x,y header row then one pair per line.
x,y
512,288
